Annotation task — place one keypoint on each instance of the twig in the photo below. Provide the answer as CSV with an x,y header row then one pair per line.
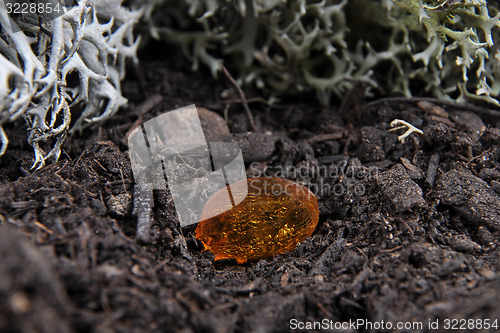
x,y
123,182
265,102
242,96
143,205
43,227
325,137
432,169
142,109
473,108
148,104
119,182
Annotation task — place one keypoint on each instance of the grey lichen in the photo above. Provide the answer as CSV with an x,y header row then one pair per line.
x,y
460,35
286,47
36,62
445,48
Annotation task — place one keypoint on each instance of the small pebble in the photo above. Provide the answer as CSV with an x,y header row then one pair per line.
x,y
400,189
471,196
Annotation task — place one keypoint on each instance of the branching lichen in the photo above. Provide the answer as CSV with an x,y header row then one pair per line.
x,y
461,35
37,60
448,48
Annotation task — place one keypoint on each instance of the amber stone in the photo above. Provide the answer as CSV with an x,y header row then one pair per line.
x,y
275,215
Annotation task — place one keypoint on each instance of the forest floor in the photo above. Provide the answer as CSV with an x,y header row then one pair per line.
x,y
408,232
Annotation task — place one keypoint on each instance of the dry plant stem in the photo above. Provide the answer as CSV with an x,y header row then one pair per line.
x,y
142,109
148,104
467,107
243,98
325,137
432,169
143,205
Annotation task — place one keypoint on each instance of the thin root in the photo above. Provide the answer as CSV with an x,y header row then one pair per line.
x,y
243,98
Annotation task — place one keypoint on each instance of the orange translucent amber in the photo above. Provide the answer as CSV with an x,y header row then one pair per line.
x,y
273,218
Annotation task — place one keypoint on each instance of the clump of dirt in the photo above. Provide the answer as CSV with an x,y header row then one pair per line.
x,y
408,231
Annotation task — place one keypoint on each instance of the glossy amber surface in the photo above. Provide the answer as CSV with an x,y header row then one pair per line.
x,y
273,218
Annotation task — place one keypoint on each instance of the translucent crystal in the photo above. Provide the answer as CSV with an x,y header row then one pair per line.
x,y
274,217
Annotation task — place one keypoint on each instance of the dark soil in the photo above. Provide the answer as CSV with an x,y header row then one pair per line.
x,y
408,232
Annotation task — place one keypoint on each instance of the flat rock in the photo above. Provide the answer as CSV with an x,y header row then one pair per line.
x,y
400,189
372,144
214,126
439,133
470,121
255,146
471,196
